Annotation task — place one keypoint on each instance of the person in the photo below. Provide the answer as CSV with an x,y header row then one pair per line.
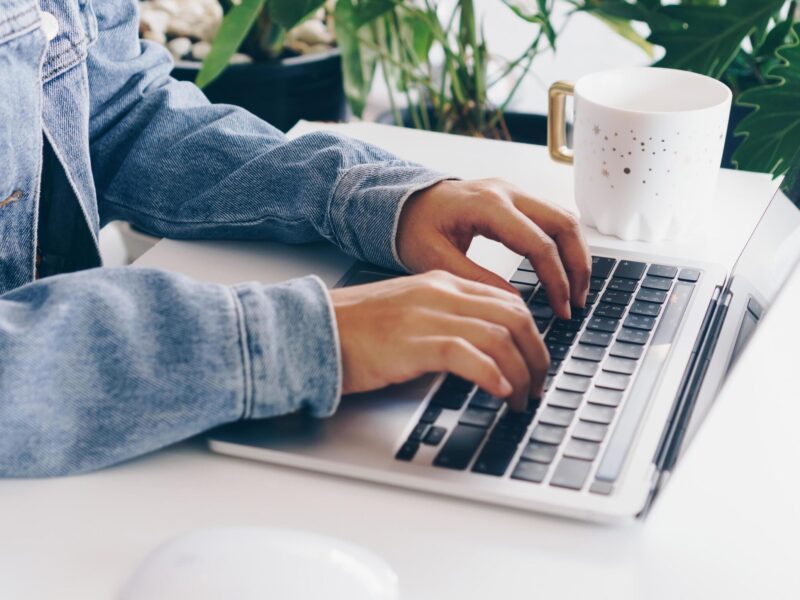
x,y
98,365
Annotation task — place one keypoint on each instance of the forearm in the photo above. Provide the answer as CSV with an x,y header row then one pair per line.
x,y
168,161
108,364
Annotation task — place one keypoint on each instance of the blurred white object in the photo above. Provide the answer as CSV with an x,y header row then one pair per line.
x,y
248,563
113,250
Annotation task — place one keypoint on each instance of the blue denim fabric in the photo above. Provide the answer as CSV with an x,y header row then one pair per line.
x,y
101,365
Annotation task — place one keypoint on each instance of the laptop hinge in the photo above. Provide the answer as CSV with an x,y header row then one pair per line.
x,y
685,400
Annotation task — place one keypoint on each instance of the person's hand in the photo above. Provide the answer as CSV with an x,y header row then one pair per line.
x,y
438,224
395,330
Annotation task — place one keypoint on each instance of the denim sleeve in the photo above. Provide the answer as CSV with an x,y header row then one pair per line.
x,y
176,166
108,364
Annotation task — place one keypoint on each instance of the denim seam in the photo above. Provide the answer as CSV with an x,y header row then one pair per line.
x,y
54,71
150,215
336,343
244,350
21,30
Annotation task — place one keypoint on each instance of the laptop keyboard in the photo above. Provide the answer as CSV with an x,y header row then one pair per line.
x,y
585,423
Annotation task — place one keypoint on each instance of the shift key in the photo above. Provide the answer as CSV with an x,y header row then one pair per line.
x,y
460,447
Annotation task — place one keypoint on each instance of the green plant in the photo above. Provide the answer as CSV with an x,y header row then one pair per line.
x,y
268,19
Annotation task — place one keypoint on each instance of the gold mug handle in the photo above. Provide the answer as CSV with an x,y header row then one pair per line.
x,y
557,123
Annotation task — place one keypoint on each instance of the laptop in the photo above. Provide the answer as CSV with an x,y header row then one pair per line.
x,y
631,378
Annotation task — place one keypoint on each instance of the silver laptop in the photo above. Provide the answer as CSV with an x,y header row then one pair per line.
x,y
631,378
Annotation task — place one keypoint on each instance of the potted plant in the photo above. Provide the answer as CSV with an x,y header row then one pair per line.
x,y
276,58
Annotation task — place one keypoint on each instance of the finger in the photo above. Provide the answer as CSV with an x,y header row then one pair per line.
x,y
517,319
563,227
456,355
503,222
494,340
454,261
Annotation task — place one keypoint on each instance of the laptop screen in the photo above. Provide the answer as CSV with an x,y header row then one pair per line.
x,y
770,255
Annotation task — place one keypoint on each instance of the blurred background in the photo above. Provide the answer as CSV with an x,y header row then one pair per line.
x,y
473,67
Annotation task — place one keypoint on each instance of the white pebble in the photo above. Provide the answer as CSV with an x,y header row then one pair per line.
x,y
179,47
312,32
200,50
240,59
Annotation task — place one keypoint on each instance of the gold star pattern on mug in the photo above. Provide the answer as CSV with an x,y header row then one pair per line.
x,y
605,172
596,129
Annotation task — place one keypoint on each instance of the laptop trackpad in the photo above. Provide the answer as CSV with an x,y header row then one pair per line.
x,y
364,423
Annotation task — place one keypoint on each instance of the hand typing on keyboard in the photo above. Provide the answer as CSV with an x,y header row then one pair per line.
x,y
437,225
398,329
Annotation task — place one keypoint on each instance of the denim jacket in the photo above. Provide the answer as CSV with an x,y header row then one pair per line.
x,y
99,365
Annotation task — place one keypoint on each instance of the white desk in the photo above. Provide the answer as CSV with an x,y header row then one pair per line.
x,y
709,536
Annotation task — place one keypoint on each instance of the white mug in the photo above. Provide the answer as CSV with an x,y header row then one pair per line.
x,y
646,150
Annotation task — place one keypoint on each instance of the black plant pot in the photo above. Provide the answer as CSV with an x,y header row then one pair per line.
x,y
280,92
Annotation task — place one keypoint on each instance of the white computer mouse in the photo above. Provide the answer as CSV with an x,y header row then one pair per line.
x,y
249,563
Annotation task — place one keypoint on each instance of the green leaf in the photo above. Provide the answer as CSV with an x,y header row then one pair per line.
x,y
231,34
710,36
772,130
539,15
358,61
624,29
288,13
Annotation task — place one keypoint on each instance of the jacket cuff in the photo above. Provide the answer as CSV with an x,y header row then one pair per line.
x,y
290,348
365,209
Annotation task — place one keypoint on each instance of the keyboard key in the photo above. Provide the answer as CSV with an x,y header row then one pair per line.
x,y
526,265
579,313
596,284
512,427
612,381
561,337
622,285
633,336
614,364
601,487
407,450
548,434
553,368
651,296
571,325
591,432
584,368
602,266
595,413
418,431
460,447
623,350
456,383
430,414
526,277
543,453
609,311
477,417
449,398
657,283
494,458
581,449
483,399
605,397
434,436
541,324
587,352
541,311
591,298
571,473
548,382
639,322
530,471
663,271
573,383
556,416
558,351
596,338
621,298
602,324
690,275
647,309
628,269
540,297
525,290
564,399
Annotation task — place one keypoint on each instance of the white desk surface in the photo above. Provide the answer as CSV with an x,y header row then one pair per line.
x,y
727,525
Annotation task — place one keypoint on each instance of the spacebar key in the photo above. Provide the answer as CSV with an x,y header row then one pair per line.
x,y
460,447
634,408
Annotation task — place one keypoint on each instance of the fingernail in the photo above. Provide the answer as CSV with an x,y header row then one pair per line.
x,y
505,388
569,311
